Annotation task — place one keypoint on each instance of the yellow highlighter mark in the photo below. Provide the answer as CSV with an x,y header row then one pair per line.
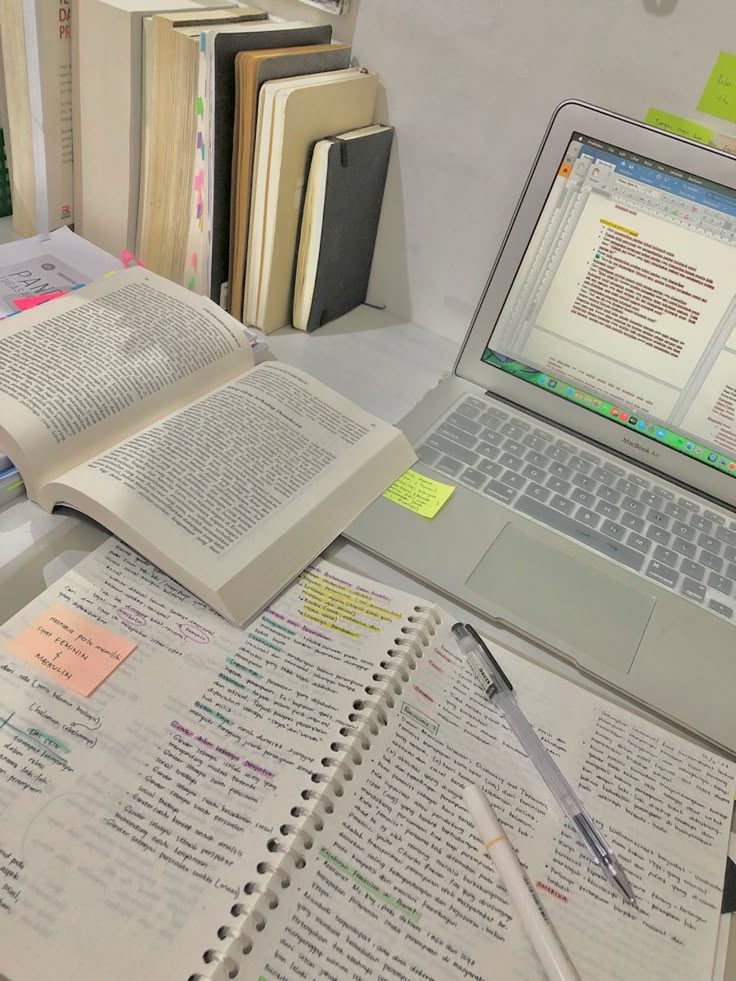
x,y
419,494
619,228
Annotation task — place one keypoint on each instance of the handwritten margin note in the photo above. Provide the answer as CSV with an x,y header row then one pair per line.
x,y
719,94
71,649
677,125
419,494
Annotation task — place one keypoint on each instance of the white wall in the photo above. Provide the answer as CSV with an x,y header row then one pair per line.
x,y
470,85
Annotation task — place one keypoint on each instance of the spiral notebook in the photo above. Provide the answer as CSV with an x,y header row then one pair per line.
x,y
284,801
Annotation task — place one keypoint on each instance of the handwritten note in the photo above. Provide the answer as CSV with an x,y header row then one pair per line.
x,y
71,649
420,494
677,125
719,94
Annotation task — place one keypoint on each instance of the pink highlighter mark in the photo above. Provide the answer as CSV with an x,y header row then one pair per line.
x,y
28,302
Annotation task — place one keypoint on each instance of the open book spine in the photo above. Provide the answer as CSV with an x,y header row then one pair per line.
x,y
288,852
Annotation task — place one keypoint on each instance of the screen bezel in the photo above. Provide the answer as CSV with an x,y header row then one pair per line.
x,y
599,124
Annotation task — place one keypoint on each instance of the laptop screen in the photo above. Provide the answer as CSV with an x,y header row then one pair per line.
x,y
625,300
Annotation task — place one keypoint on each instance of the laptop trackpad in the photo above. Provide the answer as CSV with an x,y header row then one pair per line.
x,y
562,599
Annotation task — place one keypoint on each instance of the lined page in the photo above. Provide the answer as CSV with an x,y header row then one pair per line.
x,y
131,819
397,886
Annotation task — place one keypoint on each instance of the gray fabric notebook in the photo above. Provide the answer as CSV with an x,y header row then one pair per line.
x,y
339,224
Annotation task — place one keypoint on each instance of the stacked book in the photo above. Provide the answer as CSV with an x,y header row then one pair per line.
x,y
194,126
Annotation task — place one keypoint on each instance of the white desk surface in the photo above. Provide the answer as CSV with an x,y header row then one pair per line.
x,y
384,365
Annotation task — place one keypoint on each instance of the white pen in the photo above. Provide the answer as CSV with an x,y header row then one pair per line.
x,y
537,925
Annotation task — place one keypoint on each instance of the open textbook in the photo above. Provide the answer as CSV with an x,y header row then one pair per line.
x,y
137,403
284,801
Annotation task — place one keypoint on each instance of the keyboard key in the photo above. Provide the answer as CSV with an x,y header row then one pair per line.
x,y
710,544
513,430
488,450
538,492
730,553
558,486
587,483
726,535
587,517
632,505
683,531
555,452
693,589
701,523
614,468
560,470
684,548
493,422
639,543
538,459
658,535
579,463
636,479
613,530
600,473
564,445
715,518
692,569
666,555
581,533
534,442
473,478
581,496
494,488
488,436
475,402
469,409
725,611
663,492
513,462
731,570
534,473
563,504
449,466
711,561
627,487
609,494
514,479
609,510
457,435
489,468
720,583
662,573
658,518
511,446
590,457
462,422
652,500
543,434
632,521
446,446
427,454
676,511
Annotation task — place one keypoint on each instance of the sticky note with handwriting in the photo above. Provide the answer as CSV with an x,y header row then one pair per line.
x,y
719,94
677,125
420,494
71,649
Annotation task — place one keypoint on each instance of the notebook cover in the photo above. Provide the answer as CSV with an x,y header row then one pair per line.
x,y
226,47
252,69
306,114
356,177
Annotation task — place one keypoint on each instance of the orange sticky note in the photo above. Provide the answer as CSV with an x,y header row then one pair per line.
x,y
71,649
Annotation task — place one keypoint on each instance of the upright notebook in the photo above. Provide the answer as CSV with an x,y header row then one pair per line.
x,y
252,69
342,207
292,114
284,802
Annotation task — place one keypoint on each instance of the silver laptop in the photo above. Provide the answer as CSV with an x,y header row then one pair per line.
x,y
590,423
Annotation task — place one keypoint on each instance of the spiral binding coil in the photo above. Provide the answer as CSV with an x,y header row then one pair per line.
x,y
366,720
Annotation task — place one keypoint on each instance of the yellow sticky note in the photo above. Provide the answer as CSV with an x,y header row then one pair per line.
x,y
420,494
677,125
719,94
70,649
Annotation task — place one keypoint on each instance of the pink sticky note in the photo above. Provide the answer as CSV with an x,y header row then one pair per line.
x,y
199,179
71,649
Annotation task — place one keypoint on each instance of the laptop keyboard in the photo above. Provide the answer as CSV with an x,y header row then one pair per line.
x,y
651,529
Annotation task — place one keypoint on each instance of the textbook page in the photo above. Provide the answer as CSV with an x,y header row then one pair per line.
x,y
91,368
286,456
397,886
132,818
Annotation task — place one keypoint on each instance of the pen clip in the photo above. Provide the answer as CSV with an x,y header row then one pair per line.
x,y
481,668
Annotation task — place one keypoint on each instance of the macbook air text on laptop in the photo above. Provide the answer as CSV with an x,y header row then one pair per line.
x,y
590,423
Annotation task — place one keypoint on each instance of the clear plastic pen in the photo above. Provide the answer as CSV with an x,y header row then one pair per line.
x,y
499,690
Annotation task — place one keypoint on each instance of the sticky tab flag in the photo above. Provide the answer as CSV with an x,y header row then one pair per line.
x,y
200,106
419,494
193,260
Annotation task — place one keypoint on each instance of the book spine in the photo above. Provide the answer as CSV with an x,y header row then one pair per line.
x,y
288,852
